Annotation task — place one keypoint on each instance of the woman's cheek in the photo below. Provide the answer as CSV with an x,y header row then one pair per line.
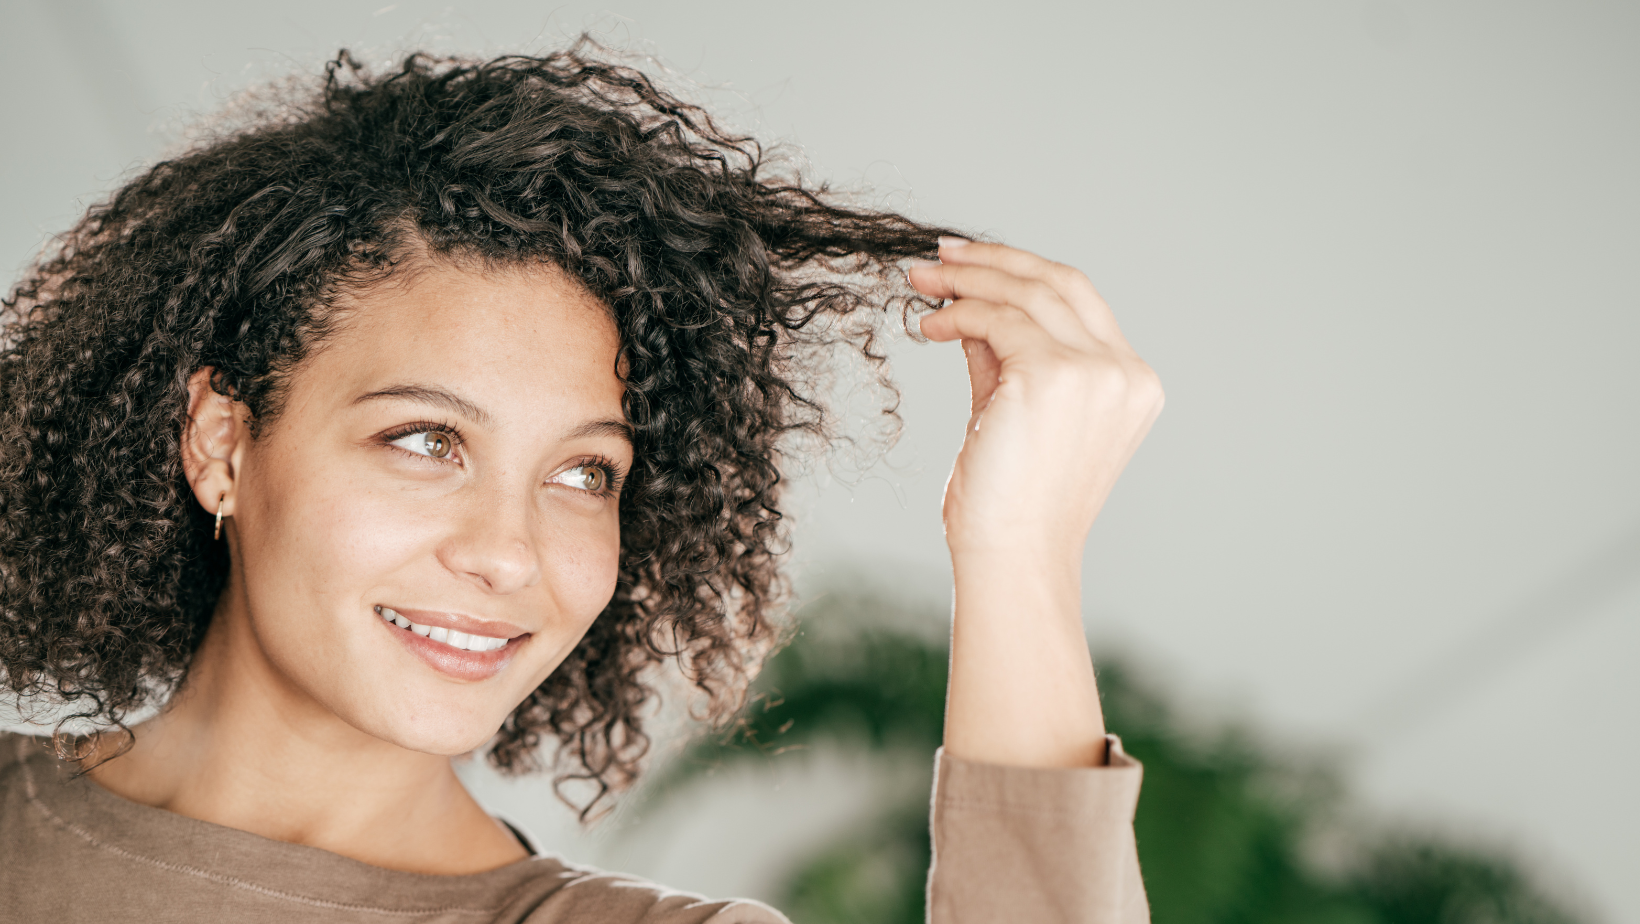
x,y
376,535
331,551
350,530
583,573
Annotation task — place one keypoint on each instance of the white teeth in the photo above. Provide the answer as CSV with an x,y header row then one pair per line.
x,y
465,641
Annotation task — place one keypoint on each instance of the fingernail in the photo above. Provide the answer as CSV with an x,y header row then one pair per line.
x,y
954,242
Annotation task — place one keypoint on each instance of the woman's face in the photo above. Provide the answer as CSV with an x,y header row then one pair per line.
x,y
430,525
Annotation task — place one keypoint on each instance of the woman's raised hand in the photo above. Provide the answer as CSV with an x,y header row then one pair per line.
x,y
1060,404
1060,400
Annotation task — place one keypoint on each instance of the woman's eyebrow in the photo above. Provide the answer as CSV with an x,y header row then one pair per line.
x,y
427,394
616,428
431,395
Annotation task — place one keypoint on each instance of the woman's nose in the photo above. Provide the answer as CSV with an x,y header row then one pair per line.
x,y
494,547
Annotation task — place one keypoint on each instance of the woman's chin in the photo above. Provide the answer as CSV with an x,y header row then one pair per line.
x,y
444,743
443,729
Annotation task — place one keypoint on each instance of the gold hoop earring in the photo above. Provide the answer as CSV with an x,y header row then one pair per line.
x,y
218,534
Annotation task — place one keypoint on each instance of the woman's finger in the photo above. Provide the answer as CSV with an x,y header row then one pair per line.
x,y
1070,283
1036,298
1007,329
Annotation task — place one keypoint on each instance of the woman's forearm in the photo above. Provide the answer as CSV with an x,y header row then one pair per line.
x,y
1022,687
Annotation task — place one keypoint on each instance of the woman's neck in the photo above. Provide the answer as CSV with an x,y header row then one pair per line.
x,y
239,746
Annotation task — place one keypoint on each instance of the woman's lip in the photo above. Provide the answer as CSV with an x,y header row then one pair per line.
x,y
459,622
454,662
457,663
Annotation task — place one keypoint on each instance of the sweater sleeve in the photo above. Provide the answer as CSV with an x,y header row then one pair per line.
x,y
1025,844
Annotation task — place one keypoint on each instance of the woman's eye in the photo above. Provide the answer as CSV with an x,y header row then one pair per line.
x,y
586,477
431,443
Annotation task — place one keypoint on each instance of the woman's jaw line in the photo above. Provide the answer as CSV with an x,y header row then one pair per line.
x,y
456,645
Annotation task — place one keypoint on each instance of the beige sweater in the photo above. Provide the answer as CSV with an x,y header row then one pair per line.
x,y
1010,845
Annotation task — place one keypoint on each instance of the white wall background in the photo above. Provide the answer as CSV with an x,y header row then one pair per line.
x,y
1383,254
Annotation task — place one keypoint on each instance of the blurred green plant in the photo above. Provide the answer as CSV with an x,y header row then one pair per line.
x,y
1224,827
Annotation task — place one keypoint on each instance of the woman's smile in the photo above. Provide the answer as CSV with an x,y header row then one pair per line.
x,y
454,644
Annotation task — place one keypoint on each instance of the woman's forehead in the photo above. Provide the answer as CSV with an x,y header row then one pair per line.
x,y
461,304
526,335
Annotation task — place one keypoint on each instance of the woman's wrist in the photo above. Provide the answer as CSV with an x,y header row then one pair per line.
x,y
1048,572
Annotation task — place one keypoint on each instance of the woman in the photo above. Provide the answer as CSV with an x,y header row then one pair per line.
x,y
430,413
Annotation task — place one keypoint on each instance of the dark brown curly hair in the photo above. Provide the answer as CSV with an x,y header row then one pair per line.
x,y
722,269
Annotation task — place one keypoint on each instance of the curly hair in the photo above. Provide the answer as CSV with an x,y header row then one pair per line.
x,y
722,270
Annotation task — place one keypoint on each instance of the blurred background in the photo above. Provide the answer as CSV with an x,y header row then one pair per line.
x,y
1366,602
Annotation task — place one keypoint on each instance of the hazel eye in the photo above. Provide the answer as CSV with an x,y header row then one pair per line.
x,y
591,478
430,443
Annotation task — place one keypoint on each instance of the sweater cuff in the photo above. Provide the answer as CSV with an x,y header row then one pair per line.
x,y
1105,794
1033,844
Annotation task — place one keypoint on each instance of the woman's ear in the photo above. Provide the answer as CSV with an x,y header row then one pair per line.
x,y
213,443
